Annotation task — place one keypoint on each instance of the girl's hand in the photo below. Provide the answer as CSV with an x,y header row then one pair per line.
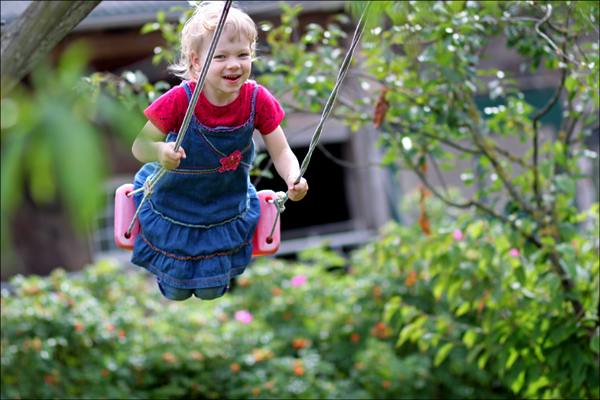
x,y
298,191
169,158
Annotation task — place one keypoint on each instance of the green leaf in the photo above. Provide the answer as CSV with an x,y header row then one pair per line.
x,y
442,354
595,343
469,338
463,309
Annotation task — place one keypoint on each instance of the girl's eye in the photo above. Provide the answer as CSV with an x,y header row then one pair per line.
x,y
244,55
219,56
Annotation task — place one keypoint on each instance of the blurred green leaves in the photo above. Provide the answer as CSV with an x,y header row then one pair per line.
x,y
53,144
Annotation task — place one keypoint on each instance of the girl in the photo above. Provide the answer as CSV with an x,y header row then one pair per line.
x,y
197,228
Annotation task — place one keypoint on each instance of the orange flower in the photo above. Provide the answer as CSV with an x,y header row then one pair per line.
x,y
299,370
48,379
168,357
139,380
104,372
300,343
355,337
386,384
195,387
258,355
235,367
277,291
255,391
269,385
287,315
380,326
376,291
359,366
411,279
78,327
110,327
121,333
196,355
244,282
37,344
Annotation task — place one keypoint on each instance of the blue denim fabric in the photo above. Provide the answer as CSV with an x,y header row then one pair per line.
x,y
177,294
197,228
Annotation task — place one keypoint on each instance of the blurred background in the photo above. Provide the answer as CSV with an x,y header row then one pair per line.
x,y
448,247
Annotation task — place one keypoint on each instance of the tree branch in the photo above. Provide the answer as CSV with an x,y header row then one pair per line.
x,y
436,137
38,30
500,171
536,117
468,204
537,29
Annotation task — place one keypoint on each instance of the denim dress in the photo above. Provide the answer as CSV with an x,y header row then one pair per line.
x,y
197,227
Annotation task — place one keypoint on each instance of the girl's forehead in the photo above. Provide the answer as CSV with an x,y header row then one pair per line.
x,y
227,40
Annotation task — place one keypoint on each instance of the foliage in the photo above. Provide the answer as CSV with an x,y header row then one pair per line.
x,y
52,146
285,330
520,279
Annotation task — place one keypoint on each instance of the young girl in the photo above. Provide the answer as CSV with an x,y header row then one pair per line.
x,y
197,227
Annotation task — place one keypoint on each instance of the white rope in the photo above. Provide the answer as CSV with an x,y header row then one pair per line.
x,y
149,189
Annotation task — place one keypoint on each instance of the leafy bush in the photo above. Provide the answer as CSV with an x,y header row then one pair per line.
x,y
312,329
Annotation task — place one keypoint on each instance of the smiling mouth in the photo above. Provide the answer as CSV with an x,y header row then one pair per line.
x,y
231,77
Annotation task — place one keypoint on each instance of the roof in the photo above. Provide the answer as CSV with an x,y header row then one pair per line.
x,y
123,14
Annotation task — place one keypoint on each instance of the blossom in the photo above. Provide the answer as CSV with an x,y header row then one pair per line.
x,y
244,316
457,234
514,252
298,280
231,162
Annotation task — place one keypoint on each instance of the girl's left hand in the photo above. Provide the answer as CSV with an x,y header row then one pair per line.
x,y
298,191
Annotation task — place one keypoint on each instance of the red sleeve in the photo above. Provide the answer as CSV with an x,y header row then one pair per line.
x,y
166,111
269,113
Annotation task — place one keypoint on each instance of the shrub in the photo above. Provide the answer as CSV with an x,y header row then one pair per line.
x,y
310,329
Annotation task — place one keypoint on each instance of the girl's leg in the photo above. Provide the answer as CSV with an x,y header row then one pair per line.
x,y
173,293
211,293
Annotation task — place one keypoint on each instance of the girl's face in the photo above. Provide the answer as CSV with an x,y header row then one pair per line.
x,y
229,69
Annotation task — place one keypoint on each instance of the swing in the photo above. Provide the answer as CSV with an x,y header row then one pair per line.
x,y
267,236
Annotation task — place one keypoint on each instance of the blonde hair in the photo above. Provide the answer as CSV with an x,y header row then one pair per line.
x,y
203,22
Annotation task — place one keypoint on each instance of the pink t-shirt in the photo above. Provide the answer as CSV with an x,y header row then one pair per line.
x,y
168,111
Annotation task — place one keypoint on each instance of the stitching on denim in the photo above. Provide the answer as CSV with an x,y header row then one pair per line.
x,y
190,258
192,172
210,145
153,269
242,215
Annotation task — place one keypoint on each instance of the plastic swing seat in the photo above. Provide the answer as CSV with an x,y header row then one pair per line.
x,y
262,245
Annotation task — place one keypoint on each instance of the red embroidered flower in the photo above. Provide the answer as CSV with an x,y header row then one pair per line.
x,y
231,162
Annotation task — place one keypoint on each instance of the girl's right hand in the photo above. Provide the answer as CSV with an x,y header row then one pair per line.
x,y
167,157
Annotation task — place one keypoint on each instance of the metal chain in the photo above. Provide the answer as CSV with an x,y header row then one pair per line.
x,y
149,189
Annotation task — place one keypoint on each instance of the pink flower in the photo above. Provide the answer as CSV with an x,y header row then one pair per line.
x,y
244,317
514,252
457,234
298,280
231,162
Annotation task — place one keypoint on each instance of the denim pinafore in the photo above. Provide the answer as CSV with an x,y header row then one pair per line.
x,y
197,227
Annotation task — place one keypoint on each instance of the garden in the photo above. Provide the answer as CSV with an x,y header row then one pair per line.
x,y
494,295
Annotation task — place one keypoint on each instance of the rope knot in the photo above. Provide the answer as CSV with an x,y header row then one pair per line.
x,y
148,188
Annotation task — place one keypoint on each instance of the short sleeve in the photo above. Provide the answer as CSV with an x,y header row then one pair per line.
x,y
269,113
167,112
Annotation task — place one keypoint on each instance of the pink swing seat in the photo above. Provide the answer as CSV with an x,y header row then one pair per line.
x,y
262,244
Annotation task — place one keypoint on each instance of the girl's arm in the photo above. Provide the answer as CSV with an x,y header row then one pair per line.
x,y
149,146
286,163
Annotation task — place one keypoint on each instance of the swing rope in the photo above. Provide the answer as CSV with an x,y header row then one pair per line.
x,y
283,197
148,189
279,203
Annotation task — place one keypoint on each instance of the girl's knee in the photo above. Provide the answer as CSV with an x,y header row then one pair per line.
x,y
211,293
173,293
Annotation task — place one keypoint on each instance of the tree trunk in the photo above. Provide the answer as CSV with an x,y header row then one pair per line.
x,y
31,37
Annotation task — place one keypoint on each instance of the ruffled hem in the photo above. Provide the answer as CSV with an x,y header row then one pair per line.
x,y
188,257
